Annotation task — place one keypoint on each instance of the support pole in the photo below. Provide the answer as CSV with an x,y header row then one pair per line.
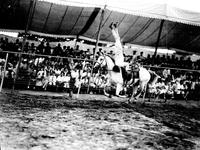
x,y
4,72
158,40
31,10
97,42
75,45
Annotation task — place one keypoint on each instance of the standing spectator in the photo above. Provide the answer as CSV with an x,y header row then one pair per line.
x,y
26,47
32,48
1,44
157,60
16,45
4,44
58,50
189,63
64,51
40,48
47,49
141,56
69,51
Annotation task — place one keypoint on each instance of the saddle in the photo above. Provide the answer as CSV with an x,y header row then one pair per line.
x,y
125,75
116,68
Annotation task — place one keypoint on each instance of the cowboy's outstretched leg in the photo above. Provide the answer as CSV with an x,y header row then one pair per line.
x,y
119,56
115,33
118,50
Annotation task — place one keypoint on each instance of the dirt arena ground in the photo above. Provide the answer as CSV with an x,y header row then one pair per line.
x,y
32,120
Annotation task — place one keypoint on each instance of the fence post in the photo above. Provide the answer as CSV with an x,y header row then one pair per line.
x,y
4,72
97,42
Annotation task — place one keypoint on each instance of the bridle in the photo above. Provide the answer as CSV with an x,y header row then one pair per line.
x,y
106,61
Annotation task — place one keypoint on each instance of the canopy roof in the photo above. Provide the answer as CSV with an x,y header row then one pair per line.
x,y
139,21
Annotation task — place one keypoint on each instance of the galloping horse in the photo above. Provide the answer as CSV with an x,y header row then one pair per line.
x,y
117,78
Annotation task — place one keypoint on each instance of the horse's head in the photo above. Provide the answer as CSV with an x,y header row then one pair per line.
x,y
101,62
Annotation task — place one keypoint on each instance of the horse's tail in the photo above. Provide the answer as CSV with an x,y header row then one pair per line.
x,y
154,77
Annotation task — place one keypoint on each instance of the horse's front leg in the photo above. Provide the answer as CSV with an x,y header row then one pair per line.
x,y
135,88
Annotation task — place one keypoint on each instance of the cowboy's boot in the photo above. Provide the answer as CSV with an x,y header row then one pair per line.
x,y
111,26
116,24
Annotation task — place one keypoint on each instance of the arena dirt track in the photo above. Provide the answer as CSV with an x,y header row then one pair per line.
x,y
58,123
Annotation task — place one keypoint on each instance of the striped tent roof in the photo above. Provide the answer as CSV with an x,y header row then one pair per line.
x,y
139,21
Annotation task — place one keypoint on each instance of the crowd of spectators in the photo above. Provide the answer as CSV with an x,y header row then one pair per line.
x,y
45,68
172,61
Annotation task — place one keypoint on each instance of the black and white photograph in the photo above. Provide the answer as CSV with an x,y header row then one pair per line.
x,y
99,75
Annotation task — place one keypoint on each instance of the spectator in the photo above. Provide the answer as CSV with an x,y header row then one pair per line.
x,y
26,47
52,80
32,49
47,49
58,50
66,80
64,51
16,46
40,48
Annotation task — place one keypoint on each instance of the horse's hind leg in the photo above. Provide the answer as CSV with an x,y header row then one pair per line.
x,y
142,89
145,90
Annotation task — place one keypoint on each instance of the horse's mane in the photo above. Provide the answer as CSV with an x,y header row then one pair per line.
x,y
110,58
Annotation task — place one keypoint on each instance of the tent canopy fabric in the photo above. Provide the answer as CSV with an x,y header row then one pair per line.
x,y
139,21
